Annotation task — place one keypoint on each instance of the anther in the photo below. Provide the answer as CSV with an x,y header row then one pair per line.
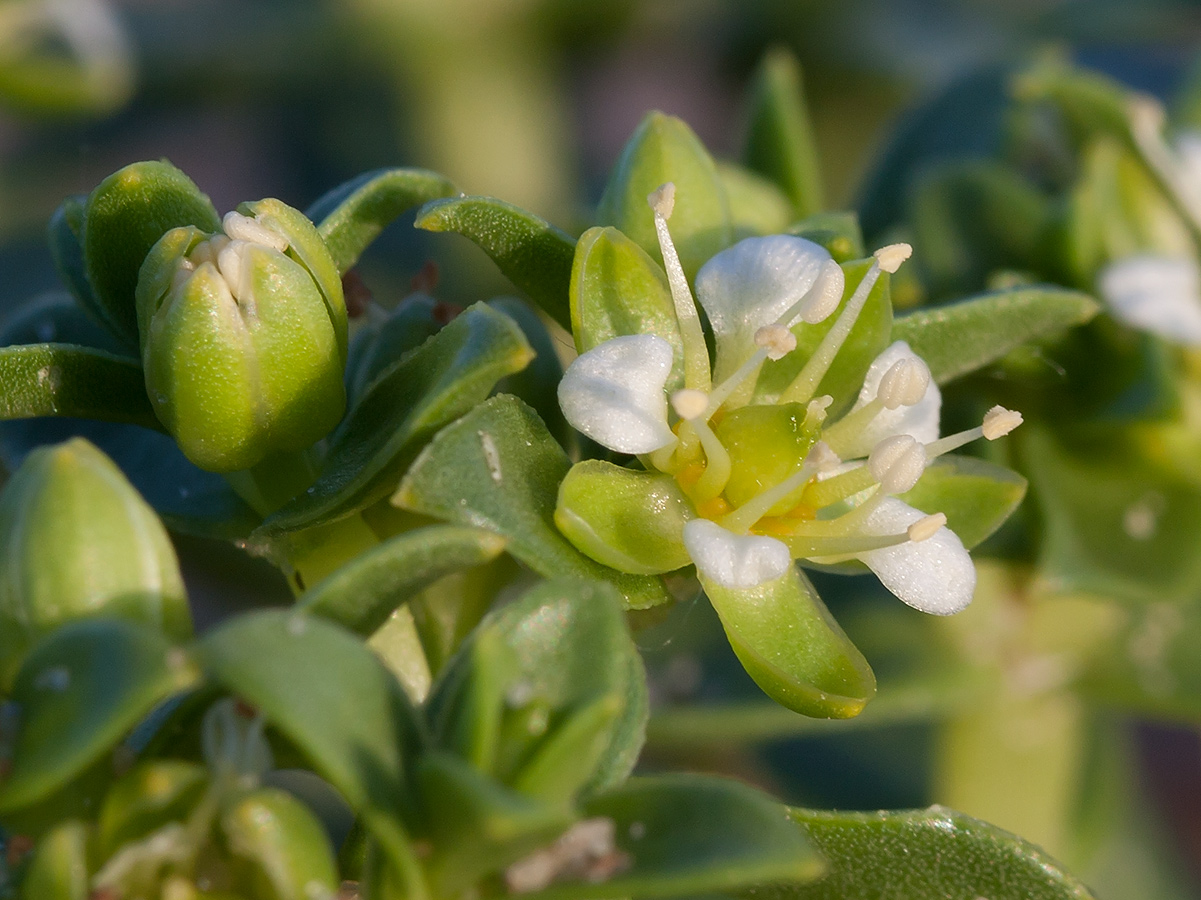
x,y
924,529
776,339
816,410
891,257
999,421
663,199
244,228
689,404
905,383
897,463
821,458
825,296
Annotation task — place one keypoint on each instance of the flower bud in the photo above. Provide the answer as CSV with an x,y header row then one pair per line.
x,y
79,541
243,336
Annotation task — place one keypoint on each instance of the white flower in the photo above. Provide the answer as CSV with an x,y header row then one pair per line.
x,y
1159,294
734,560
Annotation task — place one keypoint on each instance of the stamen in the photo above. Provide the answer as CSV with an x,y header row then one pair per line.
x,y
689,403
897,463
244,228
924,529
891,257
821,494
776,340
696,353
905,383
815,414
839,548
717,469
820,458
998,422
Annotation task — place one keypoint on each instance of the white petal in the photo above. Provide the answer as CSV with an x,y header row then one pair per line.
x,y
613,393
919,420
1159,294
734,560
935,575
751,285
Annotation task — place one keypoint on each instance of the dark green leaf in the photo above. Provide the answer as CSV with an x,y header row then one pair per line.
x,y
377,345
499,468
537,384
963,337
780,143
364,592
63,234
352,215
530,252
78,693
448,375
976,496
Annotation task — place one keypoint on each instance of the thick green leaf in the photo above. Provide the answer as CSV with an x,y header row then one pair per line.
x,y
664,149
376,345
789,643
70,380
352,215
537,384
498,468
448,375
920,854
63,235
533,254
757,206
779,142
691,835
364,592
125,216
617,289
976,496
964,336
78,693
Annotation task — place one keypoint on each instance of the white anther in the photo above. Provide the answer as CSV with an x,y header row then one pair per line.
x,y
777,340
689,404
244,228
815,410
999,421
229,264
891,257
924,529
897,463
905,383
821,458
825,296
663,199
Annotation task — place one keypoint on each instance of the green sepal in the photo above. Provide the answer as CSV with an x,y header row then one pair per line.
x,y
977,496
963,337
59,867
917,854
868,338
281,844
477,825
499,468
617,289
70,380
628,519
352,215
124,217
791,646
663,149
838,232
404,406
757,206
533,254
144,799
691,836
63,234
79,692
780,143
363,593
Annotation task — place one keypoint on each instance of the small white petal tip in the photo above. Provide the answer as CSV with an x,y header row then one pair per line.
x,y
924,529
776,339
821,458
999,421
897,463
689,404
734,560
891,257
905,383
663,199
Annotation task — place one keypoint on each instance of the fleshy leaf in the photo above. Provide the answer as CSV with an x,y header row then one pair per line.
x,y
403,408
363,593
79,692
692,835
377,345
533,254
59,867
665,149
757,206
962,337
498,468
976,496
63,235
630,520
617,289
536,384
351,216
780,144
789,643
124,217
917,854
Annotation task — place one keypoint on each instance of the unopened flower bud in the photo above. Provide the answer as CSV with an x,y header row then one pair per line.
x,y
897,463
243,336
905,383
79,541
